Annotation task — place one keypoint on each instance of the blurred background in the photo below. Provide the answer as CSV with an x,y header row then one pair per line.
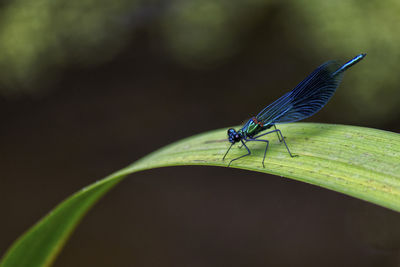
x,y
87,87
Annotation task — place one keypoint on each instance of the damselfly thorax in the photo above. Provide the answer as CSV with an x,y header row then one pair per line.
x,y
253,127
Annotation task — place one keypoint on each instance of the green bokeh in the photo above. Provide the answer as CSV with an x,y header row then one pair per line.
x,y
39,39
350,27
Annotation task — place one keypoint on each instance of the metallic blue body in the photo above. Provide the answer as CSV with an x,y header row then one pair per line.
x,y
307,98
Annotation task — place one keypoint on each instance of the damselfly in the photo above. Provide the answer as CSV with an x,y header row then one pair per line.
x,y
307,98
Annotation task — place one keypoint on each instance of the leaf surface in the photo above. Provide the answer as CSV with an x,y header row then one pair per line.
x,y
360,162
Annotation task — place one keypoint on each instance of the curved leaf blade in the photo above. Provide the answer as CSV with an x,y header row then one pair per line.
x,y
360,162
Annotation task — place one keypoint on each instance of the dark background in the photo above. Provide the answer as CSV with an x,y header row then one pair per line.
x,y
87,88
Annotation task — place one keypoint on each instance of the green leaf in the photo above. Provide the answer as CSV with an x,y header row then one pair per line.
x,y
360,162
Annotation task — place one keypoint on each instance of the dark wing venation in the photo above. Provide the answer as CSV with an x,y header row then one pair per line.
x,y
274,109
306,98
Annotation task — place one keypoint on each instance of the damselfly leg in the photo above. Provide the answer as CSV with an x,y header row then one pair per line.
x,y
281,138
256,138
248,153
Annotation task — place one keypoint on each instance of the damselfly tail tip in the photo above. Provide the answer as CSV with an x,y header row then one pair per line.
x,y
360,56
357,58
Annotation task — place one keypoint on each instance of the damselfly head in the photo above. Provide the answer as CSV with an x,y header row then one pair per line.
x,y
234,136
